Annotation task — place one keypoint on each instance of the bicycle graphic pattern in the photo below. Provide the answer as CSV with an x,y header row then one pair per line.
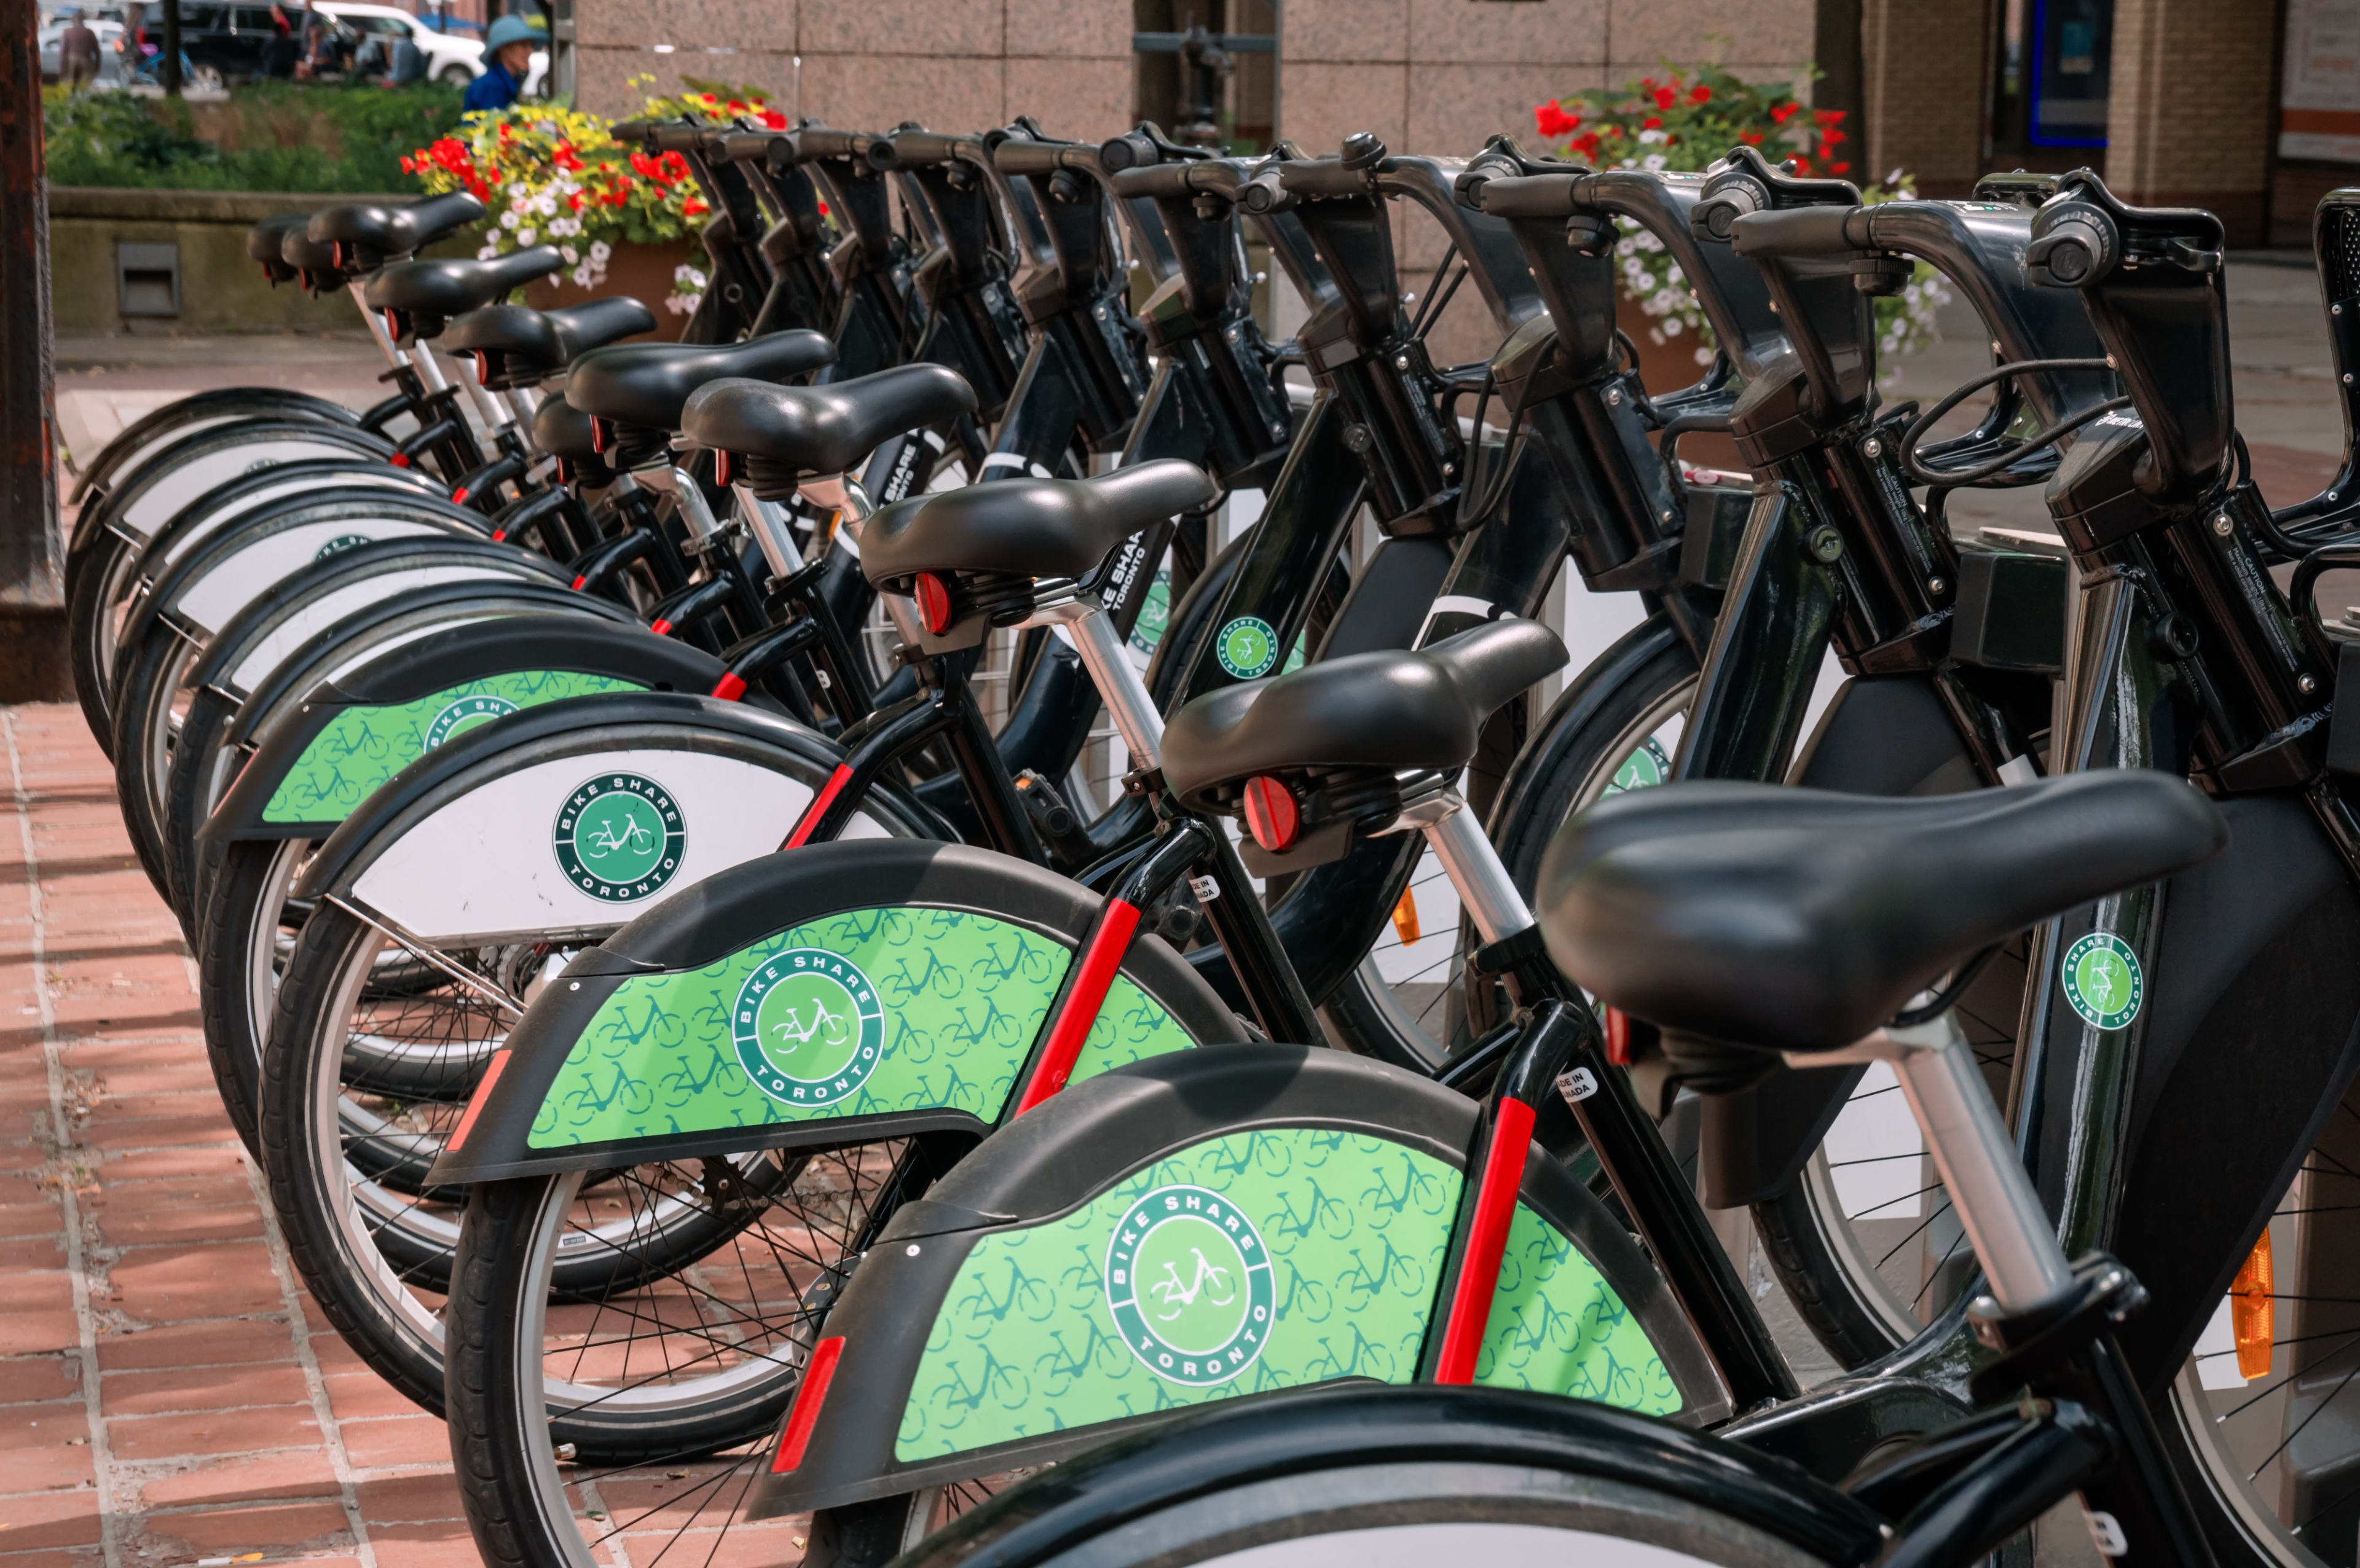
x,y
1355,1228
954,1000
361,748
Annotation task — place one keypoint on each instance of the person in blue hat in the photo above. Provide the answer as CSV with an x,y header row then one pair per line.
x,y
508,49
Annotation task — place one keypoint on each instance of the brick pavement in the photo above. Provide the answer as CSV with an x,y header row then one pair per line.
x,y
168,1394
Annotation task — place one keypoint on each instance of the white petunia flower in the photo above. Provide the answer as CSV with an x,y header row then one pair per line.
x,y
488,252
581,274
526,237
509,220
567,252
600,251
545,205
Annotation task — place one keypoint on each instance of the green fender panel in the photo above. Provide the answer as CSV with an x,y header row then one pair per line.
x,y
1044,1329
362,748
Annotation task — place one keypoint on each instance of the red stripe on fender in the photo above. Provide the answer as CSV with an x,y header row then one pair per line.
x,y
1095,978
818,808
459,496
818,1373
579,581
730,687
500,536
1487,1240
399,460
476,1101
660,626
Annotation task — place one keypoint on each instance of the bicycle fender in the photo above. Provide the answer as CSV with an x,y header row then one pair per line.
x,y
489,838
198,463
207,586
1023,1309
121,457
928,970
321,757
1879,736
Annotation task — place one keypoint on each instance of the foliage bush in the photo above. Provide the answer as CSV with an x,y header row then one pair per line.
x,y
1685,118
269,136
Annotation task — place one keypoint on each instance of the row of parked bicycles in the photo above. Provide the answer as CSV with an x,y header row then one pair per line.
x,y
661,936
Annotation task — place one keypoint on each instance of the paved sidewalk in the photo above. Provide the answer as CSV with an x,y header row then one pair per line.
x,y
168,1394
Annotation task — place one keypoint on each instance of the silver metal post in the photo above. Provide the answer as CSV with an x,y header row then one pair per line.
x,y
771,531
693,509
842,494
1997,1202
1135,713
496,415
1483,885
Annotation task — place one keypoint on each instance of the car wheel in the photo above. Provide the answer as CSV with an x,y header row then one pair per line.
x,y
457,76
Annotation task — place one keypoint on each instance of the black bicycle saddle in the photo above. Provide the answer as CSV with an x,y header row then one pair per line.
x,y
787,432
515,345
314,261
1800,920
562,430
1390,711
1028,527
266,240
646,383
427,294
367,233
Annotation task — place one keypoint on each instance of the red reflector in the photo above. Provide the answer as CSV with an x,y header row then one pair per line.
x,y
492,1072
1618,1036
459,496
730,687
400,460
393,322
933,603
598,435
1271,815
659,626
818,1373
721,469
483,369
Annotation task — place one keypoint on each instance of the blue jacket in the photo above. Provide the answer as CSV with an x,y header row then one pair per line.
x,y
495,89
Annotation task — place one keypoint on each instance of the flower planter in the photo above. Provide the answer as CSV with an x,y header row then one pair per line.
x,y
643,272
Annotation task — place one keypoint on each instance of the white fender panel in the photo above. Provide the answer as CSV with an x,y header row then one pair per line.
x,y
200,475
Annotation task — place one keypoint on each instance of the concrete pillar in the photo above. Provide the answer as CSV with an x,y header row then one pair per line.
x,y
2187,120
1925,79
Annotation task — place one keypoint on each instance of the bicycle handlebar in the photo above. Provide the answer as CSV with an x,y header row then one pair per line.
x,y
1801,233
921,149
1221,178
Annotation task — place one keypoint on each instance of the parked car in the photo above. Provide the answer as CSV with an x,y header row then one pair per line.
x,y
449,57
110,64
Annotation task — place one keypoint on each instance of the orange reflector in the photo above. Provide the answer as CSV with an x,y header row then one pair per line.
x,y
1406,918
1618,1036
2251,1313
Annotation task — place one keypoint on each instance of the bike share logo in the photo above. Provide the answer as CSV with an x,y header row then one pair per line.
x,y
465,714
1247,648
1187,1280
340,544
619,836
2103,980
808,1027
1643,769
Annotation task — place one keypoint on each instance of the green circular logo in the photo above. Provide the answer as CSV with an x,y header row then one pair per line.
x,y
465,714
1247,646
1187,1280
1644,768
2103,980
808,1026
340,544
619,836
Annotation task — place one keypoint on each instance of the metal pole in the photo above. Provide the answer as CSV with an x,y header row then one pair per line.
x,y
171,75
31,581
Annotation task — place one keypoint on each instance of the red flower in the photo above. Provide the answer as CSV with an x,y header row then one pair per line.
x,y
1802,163
1553,121
643,165
617,197
1829,139
574,202
675,165
693,208
565,158
1751,138
1839,168
1587,145
1828,116
1666,97
774,120
823,208
736,107
1782,113
1700,95
1651,123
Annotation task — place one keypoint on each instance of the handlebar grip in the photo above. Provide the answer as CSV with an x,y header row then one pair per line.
x,y
744,147
818,141
1800,232
1521,195
679,139
1318,177
1265,193
1133,149
632,130
912,149
1014,157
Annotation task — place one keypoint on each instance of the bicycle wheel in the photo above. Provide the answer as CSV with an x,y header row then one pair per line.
x,y
564,1412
